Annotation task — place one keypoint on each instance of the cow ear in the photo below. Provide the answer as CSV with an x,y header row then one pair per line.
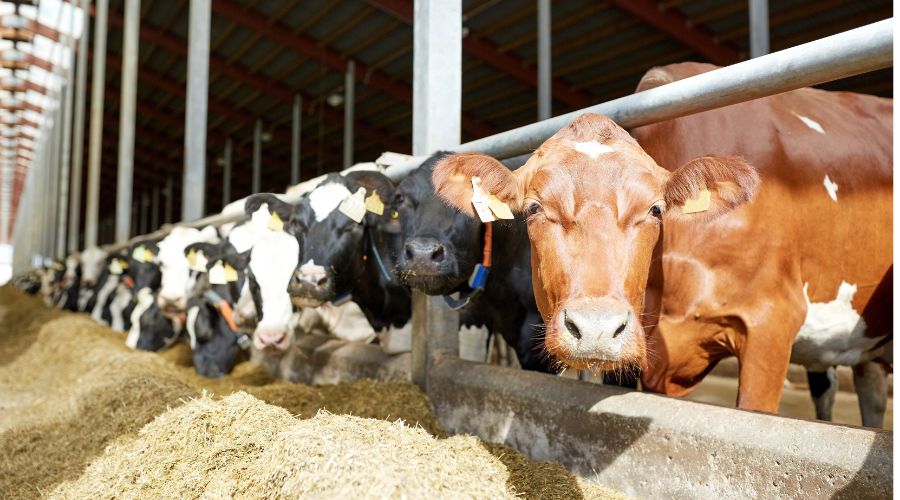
x,y
452,178
707,187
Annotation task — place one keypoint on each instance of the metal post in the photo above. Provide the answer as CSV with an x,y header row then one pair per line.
x,y
154,209
194,186
759,28
295,139
53,220
437,105
127,110
5,205
170,199
349,98
145,213
257,155
545,83
226,174
65,154
96,138
78,128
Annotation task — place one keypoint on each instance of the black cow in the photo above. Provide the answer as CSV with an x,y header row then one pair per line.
x,y
345,259
441,250
148,329
216,343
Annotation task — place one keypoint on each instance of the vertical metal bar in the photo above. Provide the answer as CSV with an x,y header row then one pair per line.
x,y
170,198
545,83
257,155
226,174
759,28
78,128
65,155
5,205
194,186
437,105
52,220
295,139
349,104
154,209
127,110
96,133
145,213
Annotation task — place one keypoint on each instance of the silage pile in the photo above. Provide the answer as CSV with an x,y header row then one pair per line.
x,y
81,416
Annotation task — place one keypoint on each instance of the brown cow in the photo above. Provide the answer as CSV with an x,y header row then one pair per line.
x,y
804,257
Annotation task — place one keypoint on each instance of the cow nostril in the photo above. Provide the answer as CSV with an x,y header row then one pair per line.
x,y
622,327
322,281
571,326
408,251
438,254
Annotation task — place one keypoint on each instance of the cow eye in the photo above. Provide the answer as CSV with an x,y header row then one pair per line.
x,y
656,211
533,208
398,199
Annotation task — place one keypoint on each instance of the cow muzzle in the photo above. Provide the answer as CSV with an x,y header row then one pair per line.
x,y
311,288
171,305
597,334
426,257
271,340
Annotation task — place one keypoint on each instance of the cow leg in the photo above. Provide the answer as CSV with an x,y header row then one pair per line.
x,y
764,366
823,387
870,380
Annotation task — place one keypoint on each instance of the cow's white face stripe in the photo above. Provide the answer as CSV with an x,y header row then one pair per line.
x,y
809,122
311,267
118,304
831,187
92,260
172,262
108,287
833,333
244,236
190,324
144,299
592,148
325,199
273,260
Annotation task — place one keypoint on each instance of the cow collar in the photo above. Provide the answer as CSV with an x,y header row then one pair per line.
x,y
478,279
224,308
370,242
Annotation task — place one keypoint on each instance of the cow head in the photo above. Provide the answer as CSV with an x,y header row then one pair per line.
x,y
178,279
595,204
441,246
143,265
340,221
273,258
92,261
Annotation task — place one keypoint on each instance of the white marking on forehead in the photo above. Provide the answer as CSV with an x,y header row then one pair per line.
x,y
91,263
809,122
831,187
324,199
592,148
243,237
260,218
173,264
273,260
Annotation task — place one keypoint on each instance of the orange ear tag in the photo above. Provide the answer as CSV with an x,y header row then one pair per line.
x,y
698,204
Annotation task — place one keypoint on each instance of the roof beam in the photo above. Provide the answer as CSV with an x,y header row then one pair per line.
x,y
305,44
678,26
489,52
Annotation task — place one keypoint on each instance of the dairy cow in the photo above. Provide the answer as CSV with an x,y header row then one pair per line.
x,y
674,267
348,244
442,249
92,261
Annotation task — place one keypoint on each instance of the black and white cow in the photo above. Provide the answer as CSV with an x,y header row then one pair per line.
x,y
443,249
178,279
93,265
68,298
347,247
105,289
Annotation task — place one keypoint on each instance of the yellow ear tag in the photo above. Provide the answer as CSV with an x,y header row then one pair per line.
x,y
138,254
374,204
115,267
354,206
123,263
217,274
192,258
481,202
501,210
698,204
275,223
230,273
148,255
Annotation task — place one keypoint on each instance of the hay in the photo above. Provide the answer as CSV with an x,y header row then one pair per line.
x,y
84,416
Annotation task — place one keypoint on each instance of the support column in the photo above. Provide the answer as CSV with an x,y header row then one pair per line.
x,y
127,110
545,83
78,128
226,174
437,105
194,186
349,105
96,138
759,28
295,139
154,209
257,156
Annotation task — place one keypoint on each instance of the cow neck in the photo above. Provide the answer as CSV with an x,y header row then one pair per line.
x,y
371,247
384,305
478,279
